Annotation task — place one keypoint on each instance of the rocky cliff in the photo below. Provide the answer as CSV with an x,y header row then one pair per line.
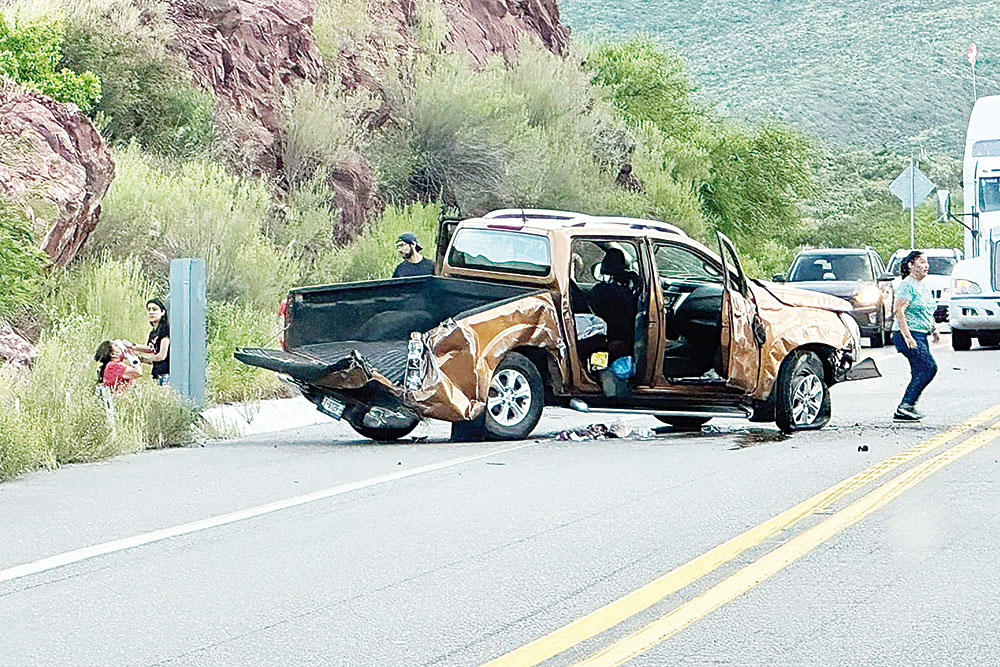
x,y
60,168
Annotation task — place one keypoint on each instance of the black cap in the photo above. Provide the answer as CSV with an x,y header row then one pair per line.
x,y
410,237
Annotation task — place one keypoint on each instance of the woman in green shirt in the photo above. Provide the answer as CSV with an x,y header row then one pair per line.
x,y
913,308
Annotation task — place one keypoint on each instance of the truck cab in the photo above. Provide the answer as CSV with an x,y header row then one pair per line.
x,y
974,304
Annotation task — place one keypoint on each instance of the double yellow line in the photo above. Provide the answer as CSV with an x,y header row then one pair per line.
x,y
654,592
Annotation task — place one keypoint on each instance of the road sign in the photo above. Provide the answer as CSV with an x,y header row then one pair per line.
x,y
912,186
972,53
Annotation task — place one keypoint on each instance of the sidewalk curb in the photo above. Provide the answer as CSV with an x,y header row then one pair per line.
x,y
268,416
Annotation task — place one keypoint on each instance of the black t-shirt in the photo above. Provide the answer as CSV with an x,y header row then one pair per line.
x,y
159,367
424,267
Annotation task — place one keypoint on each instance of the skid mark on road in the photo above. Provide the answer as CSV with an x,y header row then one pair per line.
x,y
77,555
655,591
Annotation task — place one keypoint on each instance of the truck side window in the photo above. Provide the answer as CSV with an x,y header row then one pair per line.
x,y
677,264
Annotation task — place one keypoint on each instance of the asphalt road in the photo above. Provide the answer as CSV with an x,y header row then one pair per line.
x,y
303,548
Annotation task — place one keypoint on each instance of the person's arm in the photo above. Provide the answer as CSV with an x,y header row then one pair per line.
x,y
899,311
164,350
132,372
150,357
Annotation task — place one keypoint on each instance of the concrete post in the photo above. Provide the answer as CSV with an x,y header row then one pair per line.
x,y
187,328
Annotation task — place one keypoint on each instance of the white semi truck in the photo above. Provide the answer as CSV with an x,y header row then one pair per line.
x,y
974,308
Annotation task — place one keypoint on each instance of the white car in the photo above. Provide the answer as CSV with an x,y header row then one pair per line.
x,y
938,280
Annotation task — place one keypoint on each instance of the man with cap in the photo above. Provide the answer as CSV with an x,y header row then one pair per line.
x,y
413,263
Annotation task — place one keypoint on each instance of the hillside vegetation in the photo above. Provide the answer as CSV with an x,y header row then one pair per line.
x,y
851,72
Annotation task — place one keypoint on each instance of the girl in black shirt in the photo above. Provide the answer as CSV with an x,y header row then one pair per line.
x,y
157,348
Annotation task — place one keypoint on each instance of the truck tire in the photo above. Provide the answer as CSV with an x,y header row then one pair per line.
x,y
514,400
382,434
802,401
685,423
989,340
960,340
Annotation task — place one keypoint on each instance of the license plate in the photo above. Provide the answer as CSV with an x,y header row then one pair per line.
x,y
331,407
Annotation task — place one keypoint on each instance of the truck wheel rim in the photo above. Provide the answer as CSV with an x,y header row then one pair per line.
x,y
509,397
807,398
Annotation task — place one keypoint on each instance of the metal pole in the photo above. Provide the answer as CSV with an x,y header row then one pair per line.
x,y
975,95
913,241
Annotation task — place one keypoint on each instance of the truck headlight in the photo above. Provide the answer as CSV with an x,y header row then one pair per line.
x,y
868,296
963,286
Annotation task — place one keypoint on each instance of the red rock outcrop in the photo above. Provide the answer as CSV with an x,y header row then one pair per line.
x,y
489,27
15,349
59,159
248,52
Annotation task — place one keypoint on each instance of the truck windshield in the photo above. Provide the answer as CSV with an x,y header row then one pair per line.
x,y
989,194
939,266
508,252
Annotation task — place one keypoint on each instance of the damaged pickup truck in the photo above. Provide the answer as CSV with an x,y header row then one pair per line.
x,y
534,308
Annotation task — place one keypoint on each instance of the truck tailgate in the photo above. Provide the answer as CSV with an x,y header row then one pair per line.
x,y
311,362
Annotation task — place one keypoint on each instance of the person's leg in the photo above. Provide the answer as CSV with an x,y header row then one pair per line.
x,y
905,409
924,370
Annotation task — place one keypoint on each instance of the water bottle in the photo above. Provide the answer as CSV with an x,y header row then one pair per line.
x,y
414,351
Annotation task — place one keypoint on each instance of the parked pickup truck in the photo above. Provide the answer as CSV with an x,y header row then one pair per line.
x,y
534,308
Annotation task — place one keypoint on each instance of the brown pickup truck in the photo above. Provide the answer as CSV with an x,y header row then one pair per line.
x,y
533,308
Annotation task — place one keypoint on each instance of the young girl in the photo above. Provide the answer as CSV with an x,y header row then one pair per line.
x,y
156,351
114,371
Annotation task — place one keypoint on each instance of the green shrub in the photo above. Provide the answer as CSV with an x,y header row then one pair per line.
x,y
372,255
533,134
232,325
322,127
110,293
157,211
30,52
158,414
647,84
21,262
148,92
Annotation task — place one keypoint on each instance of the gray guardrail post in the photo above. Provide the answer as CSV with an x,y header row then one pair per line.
x,y
187,328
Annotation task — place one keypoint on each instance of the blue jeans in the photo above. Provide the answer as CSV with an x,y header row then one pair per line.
x,y
923,368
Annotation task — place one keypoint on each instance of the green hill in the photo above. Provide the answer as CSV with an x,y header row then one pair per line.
x,y
868,72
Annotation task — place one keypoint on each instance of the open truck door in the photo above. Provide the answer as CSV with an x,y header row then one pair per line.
x,y
446,230
742,330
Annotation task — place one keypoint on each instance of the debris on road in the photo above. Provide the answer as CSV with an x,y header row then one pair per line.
x,y
617,429
862,448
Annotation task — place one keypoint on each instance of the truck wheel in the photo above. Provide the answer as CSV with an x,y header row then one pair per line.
x,y
381,434
803,399
515,399
960,340
685,423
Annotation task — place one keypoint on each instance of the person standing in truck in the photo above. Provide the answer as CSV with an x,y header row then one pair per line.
x,y
913,308
413,264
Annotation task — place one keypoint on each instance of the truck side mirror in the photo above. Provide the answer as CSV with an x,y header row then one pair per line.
x,y
779,278
944,206
886,277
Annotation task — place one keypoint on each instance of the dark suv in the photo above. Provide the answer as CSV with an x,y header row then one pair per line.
x,y
856,275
